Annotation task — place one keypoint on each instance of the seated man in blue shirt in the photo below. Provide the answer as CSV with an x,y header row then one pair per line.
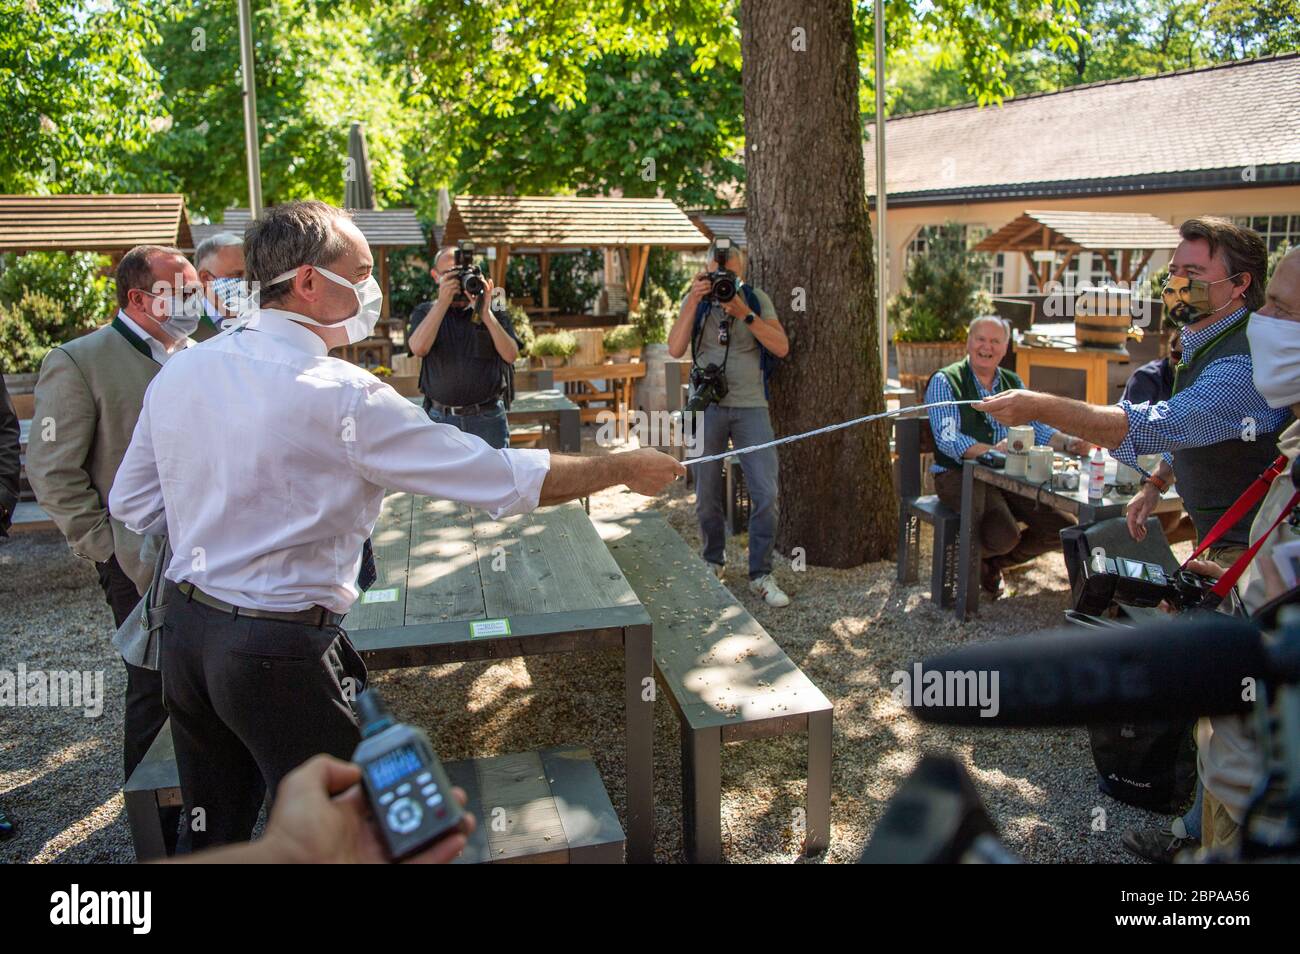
x,y
1216,430
963,433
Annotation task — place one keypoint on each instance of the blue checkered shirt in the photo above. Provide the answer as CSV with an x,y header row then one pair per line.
x,y
947,420
1218,406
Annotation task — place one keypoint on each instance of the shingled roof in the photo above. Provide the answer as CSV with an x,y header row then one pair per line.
x,y
1230,125
1089,231
92,223
393,228
570,222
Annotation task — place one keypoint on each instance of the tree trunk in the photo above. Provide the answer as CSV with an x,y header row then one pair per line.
x,y
810,245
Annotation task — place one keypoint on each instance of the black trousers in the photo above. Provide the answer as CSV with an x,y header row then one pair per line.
x,y
250,700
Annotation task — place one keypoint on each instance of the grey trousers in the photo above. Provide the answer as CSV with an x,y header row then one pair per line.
x,y
249,700
744,427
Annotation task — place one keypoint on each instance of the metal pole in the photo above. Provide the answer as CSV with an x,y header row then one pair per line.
x,y
250,109
882,243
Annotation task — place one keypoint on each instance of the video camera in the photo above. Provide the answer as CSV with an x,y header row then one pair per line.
x,y
467,273
723,284
1105,580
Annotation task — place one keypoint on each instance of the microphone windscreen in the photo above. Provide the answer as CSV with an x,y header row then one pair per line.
x,y
1195,665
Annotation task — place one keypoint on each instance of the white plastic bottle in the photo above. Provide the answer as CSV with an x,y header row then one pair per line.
x,y
1097,475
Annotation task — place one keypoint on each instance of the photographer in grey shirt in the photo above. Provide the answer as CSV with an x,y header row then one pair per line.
x,y
740,339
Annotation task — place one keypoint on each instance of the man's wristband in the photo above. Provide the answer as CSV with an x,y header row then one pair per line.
x,y
1159,483
749,319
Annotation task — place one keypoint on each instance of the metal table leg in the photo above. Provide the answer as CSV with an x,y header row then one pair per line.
x,y
640,689
967,596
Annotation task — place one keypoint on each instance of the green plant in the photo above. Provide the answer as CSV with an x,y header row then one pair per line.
x,y
575,280
24,332
49,298
523,328
621,338
409,283
559,344
942,294
654,316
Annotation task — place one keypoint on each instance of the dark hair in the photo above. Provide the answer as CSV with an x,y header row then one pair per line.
x,y
135,270
1243,251
286,236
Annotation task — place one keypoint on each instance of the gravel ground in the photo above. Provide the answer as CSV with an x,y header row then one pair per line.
x,y
60,772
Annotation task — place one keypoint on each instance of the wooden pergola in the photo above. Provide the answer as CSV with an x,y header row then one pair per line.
x,y
544,225
384,229
1134,235
110,224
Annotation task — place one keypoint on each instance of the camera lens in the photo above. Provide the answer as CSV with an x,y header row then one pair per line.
x,y
724,288
473,284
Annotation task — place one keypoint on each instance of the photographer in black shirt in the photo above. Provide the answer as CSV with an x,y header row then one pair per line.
x,y
468,349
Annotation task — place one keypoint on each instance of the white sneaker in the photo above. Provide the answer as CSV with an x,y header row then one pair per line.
x,y
719,569
772,594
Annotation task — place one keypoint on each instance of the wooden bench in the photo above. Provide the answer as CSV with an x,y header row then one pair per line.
x,y
726,678
545,807
915,509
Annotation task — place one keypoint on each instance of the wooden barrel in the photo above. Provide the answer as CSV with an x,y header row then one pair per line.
x,y
1103,317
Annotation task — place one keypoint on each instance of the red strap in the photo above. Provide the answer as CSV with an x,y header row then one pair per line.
x,y
1234,572
1253,495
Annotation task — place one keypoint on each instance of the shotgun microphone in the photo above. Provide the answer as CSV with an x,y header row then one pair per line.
x,y
1196,665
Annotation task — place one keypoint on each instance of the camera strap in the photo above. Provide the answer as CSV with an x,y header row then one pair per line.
x,y
1243,505
698,336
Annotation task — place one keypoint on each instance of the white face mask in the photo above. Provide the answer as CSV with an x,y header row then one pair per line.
x,y
231,292
178,316
370,301
1275,357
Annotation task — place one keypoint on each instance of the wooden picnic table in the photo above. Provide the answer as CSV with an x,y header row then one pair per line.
x,y
550,407
456,585
1072,502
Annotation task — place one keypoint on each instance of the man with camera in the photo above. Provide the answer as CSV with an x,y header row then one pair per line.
x,y
735,339
963,433
1217,431
467,349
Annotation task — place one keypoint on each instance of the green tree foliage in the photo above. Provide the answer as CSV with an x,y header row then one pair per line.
x,y
316,73
78,97
644,125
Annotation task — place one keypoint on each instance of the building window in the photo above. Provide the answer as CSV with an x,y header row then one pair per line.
x,y
992,279
1276,229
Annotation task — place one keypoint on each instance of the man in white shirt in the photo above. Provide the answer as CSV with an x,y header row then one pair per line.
x,y
267,480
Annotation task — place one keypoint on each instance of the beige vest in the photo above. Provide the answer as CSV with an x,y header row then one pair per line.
x,y
88,397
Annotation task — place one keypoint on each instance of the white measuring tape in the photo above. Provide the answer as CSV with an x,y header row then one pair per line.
x,y
824,430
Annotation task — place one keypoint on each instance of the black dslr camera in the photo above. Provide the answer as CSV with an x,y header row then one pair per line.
x,y
708,386
467,273
723,285
1104,580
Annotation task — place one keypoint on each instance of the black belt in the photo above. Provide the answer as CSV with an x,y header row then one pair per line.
x,y
464,410
312,616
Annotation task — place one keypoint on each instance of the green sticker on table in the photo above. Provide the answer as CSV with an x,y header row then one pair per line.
x,y
489,627
380,596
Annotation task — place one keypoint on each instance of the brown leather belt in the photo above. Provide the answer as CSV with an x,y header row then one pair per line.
x,y
312,616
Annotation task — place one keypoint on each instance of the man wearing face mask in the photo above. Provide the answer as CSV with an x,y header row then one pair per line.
x,y
88,397
1216,432
219,260
1228,758
274,472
